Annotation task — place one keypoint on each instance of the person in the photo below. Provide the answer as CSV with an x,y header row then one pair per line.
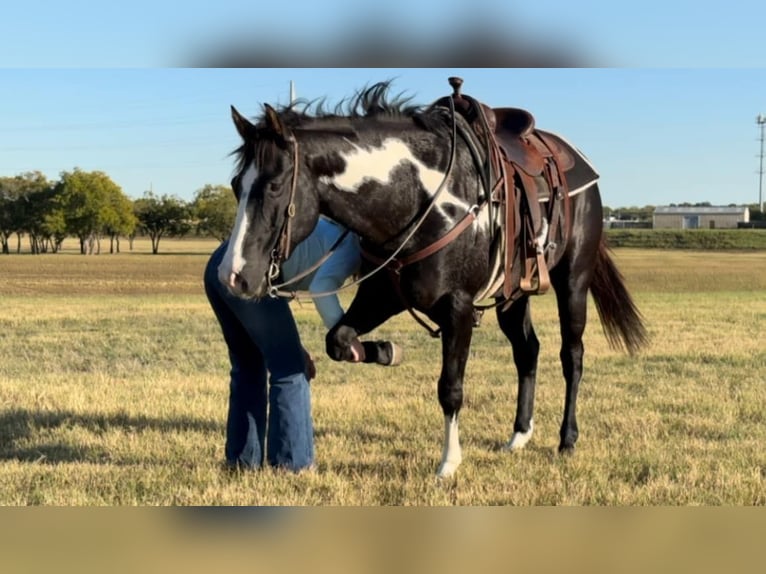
x,y
269,409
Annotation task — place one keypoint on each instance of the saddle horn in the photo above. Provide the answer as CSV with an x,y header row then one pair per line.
x,y
457,84
470,108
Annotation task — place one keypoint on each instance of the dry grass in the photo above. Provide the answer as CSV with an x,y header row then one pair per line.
x,y
113,380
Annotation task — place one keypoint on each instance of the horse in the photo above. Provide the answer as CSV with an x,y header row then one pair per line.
x,y
402,177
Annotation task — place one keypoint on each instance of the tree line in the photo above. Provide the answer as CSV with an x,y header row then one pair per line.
x,y
93,208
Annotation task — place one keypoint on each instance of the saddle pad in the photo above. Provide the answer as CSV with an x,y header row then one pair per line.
x,y
579,177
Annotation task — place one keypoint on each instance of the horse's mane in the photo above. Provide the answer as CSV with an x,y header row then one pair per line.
x,y
373,101
370,101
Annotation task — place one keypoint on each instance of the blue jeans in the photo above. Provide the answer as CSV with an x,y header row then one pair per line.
x,y
263,341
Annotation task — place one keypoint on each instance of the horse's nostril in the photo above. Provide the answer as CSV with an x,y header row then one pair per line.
x,y
237,282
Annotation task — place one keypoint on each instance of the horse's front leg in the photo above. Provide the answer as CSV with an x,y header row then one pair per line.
x,y
373,304
454,314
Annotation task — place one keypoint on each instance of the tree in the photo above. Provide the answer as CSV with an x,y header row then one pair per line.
x,y
119,219
10,194
755,212
44,218
162,216
25,203
88,200
53,226
214,208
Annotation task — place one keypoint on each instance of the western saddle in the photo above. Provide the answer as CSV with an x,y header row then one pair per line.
x,y
524,163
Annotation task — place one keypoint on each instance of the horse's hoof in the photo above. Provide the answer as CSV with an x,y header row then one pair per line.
x,y
520,439
567,450
447,469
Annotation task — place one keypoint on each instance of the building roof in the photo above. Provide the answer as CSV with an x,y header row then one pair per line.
x,y
691,210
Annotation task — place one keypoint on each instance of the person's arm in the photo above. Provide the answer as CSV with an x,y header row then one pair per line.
x,y
331,276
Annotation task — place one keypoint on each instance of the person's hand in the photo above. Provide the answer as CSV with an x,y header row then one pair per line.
x,y
311,370
357,350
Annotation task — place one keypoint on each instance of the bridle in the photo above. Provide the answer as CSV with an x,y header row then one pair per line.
x,y
283,246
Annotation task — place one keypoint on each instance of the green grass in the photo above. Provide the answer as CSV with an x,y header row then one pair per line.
x,y
113,388
708,239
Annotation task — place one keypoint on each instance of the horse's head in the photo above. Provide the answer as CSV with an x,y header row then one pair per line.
x,y
277,206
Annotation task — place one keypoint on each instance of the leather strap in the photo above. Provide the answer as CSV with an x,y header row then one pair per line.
x,y
397,265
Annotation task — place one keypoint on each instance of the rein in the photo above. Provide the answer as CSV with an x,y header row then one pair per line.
x,y
281,252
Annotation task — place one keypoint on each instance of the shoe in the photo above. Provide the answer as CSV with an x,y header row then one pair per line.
x,y
394,354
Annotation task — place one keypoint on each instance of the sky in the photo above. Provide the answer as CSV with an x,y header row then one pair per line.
x,y
141,33
656,136
661,96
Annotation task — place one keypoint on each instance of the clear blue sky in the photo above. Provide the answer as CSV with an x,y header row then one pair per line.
x,y
656,135
140,33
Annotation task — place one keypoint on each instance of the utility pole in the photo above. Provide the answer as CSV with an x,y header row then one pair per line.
x,y
292,93
761,121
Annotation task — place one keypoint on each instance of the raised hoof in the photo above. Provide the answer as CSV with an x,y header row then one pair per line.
x,y
396,355
447,469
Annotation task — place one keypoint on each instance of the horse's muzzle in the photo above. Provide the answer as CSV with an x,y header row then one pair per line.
x,y
241,287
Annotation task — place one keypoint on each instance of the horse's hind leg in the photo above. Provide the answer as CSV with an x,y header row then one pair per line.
x,y
516,324
572,299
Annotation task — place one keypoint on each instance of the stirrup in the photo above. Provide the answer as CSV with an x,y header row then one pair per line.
x,y
527,282
544,279
536,280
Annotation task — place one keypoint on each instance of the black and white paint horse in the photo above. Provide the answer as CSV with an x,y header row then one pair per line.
x,y
374,166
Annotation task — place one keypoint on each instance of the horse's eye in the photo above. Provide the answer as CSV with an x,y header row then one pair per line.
x,y
275,186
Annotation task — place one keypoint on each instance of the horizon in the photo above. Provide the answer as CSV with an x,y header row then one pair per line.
x,y
656,136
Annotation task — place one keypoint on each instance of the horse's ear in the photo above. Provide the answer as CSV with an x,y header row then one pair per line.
x,y
244,127
275,122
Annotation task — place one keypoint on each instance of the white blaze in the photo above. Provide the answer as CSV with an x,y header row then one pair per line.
x,y
233,261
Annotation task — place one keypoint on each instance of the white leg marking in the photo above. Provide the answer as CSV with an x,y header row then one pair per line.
x,y
233,262
451,455
520,439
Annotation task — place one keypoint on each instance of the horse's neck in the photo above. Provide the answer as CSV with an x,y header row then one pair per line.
x,y
374,197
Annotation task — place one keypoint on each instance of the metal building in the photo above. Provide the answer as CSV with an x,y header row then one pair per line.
x,y
666,217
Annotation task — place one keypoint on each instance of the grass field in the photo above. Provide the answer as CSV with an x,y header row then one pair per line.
x,y
113,388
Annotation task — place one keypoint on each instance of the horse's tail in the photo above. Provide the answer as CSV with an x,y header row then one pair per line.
x,y
620,318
